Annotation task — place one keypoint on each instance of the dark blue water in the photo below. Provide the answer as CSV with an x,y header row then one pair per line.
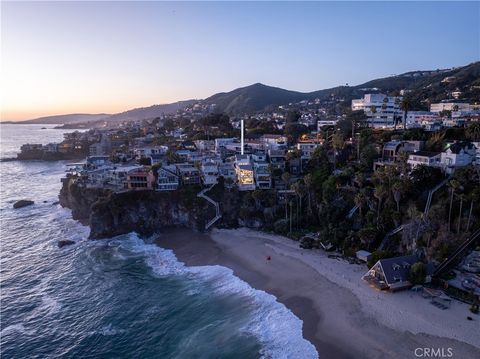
x,y
117,298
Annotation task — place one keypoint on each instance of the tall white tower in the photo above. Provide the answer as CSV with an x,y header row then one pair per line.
x,y
241,136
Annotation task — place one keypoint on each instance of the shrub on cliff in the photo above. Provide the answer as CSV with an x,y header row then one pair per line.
x,y
281,226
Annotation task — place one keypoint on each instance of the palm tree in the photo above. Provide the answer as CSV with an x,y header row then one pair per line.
x,y
405,107
397,190
472,132
337,144
474,198
460,213
380,192
308,180
454,185
397,103
291,204
360,201
286,178
373,110
257,196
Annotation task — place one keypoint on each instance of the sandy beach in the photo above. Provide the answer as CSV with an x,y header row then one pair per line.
x,y
342,316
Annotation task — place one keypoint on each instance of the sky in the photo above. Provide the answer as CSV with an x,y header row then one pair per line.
x,y
108,57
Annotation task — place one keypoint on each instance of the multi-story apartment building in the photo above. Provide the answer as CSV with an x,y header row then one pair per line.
x,y
381,110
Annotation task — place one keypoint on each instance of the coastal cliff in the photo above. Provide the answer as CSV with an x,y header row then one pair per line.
x,y
109,214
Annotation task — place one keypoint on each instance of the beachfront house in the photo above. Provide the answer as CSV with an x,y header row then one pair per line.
x,y
189,175
140,179
168,179
227,171
116,177
391,273
209,173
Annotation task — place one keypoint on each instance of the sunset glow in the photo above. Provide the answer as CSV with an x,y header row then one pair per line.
x,y
98,57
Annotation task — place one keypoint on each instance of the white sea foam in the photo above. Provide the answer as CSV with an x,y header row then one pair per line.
x,y
108,330
277,328
50,305
15,328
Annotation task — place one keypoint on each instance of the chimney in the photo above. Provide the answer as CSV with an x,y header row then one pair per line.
x,y
241,136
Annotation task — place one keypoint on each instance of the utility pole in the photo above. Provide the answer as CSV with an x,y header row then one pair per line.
x,y
241,136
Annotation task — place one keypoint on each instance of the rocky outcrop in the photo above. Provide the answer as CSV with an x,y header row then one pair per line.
x,y
109,214
80,199
65,242
22,203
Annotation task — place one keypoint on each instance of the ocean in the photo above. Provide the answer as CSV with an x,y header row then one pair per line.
x,y
121,297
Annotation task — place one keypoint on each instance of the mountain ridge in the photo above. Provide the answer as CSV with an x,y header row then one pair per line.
x,y
423,85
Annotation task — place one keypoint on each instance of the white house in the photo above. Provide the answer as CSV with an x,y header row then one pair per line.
x,y
450,106
147,151
425,158
209,173
307,148
458,154
227,171
244,172
168,179
321,123
220,143
415,118
381,110
263,178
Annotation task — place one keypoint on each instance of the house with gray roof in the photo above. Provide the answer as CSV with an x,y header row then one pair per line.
x,y
391,273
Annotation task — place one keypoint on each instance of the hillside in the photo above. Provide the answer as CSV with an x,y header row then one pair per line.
x,y
149,112
66,119
253,98
423,85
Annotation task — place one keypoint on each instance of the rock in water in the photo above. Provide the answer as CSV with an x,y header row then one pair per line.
x,y
65,242
22,203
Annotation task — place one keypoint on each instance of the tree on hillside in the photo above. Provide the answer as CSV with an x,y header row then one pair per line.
x,y
418,273
360,201
397,189
294,130
405,106
286,178
292,116
472,132
380,193
308,179
454,186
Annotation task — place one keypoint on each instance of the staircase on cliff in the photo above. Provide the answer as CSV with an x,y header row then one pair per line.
x,y
218,215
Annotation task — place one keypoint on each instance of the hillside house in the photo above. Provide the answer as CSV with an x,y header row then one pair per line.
x,y
168,179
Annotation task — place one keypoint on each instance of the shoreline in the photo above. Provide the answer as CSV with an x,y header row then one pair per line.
x,y
342,316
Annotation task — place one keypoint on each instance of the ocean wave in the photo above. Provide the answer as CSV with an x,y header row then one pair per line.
x,y
276,327
50,305
108,330
15,328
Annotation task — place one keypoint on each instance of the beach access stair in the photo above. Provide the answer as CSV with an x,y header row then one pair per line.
x,y
390,234
430,195
451,260
218,214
